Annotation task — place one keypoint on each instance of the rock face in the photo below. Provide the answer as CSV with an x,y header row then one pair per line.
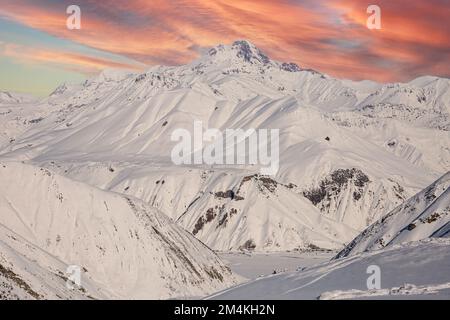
x,y
333,186
290,67
125,248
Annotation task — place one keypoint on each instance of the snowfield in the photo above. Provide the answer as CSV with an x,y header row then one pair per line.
x,y
86,178
415,270
410,247
254,265
349,151
425,215
126,248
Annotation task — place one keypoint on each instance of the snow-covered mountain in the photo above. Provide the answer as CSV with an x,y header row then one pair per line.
x,y
349,151
7,97
17,113
125,248
425,215
414,270
410,246
28,272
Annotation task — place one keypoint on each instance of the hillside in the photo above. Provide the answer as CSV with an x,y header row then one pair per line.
x,y
125,248
349,151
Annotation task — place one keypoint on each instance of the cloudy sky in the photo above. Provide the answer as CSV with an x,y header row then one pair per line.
x,y
38,52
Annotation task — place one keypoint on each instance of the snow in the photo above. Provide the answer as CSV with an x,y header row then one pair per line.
x,y
124,120
408,271
28,272
15,98
255,265
130,249
410,246
409,290
350,154
426,214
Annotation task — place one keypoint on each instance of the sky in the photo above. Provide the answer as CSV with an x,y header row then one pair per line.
x,y
38,52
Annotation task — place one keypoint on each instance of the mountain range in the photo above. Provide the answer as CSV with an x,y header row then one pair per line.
x,y
351,153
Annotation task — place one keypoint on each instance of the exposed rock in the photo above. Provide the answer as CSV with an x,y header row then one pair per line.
x,y
333,185
290,67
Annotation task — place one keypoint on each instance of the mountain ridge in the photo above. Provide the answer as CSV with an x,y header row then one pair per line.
x,y
113,132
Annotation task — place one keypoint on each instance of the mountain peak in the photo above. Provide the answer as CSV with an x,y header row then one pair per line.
x,y
59,90
247,52
241,49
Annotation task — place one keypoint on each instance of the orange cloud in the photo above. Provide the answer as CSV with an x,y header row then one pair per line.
x,y
329,36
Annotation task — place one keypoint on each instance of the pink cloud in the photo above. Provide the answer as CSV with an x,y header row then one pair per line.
x,y
329,36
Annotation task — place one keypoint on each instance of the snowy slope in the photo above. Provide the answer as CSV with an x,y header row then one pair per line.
x,y
416,270
14,97
265,213
427,214
18,112
410,245
28,272
126,248
113,132
259,212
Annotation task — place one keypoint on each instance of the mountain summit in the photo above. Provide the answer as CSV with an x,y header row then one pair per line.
x,y
242,49
350,152
247,52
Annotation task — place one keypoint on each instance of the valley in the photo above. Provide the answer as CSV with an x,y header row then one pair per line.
x,y
88,179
